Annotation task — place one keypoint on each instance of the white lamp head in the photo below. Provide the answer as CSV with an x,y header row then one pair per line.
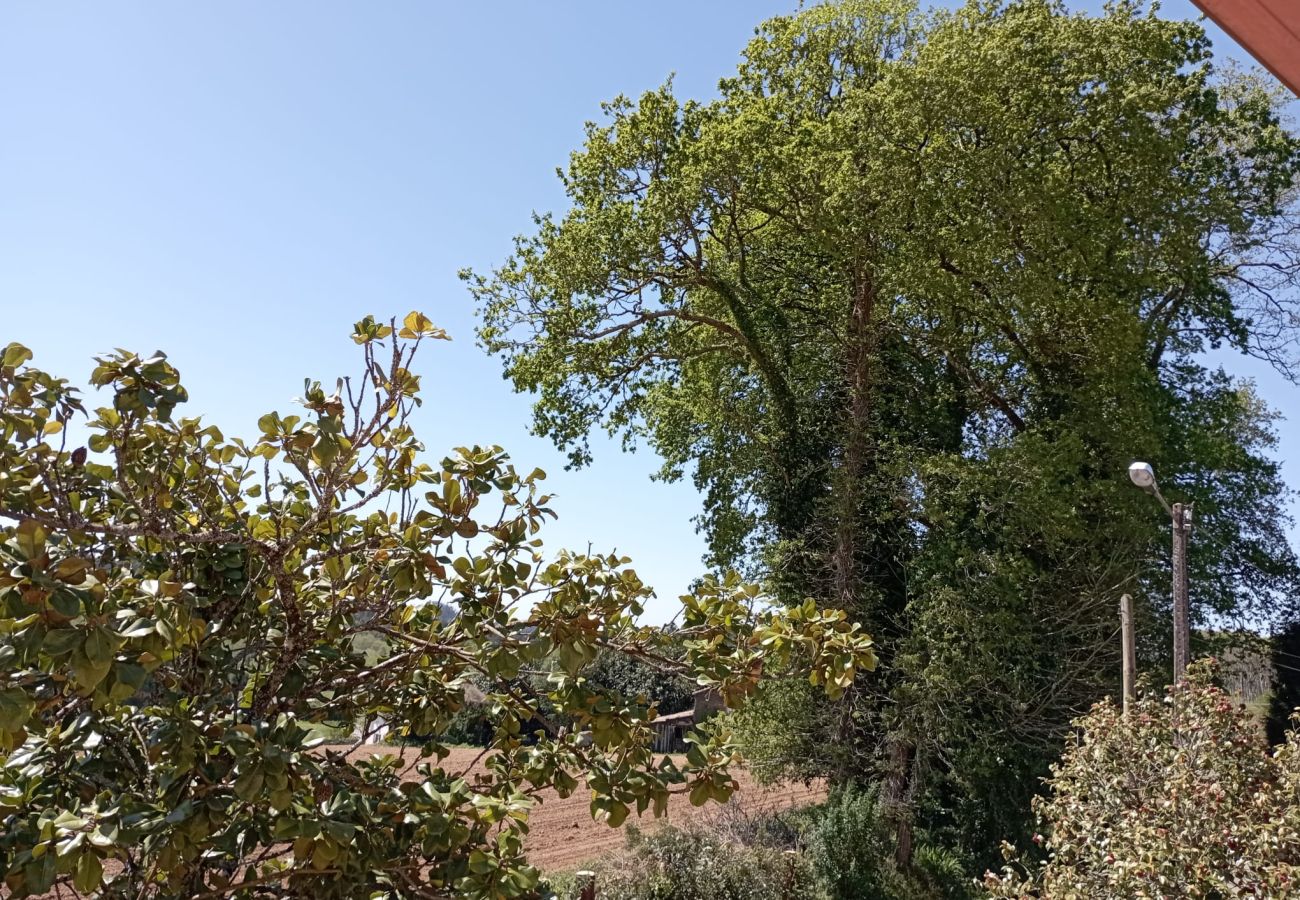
x,y
1142,475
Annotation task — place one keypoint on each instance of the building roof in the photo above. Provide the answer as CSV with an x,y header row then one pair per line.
x,y
1268,29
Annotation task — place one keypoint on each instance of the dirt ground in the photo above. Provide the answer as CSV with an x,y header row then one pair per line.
x,y
563,835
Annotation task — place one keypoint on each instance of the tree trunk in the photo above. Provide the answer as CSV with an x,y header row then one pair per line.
x,y
861,340
860,343
899,793
847,483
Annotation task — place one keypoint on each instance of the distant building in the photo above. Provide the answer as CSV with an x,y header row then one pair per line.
x,y
670,731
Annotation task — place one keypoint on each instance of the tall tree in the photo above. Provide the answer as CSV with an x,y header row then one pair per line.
x,y
905,299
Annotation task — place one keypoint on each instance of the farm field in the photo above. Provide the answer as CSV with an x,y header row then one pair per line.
x,y
563,834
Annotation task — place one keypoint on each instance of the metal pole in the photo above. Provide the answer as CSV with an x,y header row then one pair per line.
x,y
1130,652
1182,518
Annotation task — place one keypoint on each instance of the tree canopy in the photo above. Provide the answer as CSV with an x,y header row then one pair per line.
x,y
182,613
904,300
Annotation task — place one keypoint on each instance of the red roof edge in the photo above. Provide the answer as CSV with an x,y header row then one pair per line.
x,y
1268,30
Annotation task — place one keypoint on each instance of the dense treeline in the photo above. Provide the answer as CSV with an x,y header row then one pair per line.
x,y
904,300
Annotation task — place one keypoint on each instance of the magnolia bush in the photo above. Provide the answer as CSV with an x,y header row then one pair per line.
x,y
182,611
1179,798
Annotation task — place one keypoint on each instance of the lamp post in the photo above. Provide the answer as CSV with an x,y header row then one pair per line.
x,y
1180,515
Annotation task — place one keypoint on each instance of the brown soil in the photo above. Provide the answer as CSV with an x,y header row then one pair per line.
x,y
563,836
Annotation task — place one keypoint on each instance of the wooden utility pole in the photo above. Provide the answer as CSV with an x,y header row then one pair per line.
x,y
791,864
1130,652
1182,526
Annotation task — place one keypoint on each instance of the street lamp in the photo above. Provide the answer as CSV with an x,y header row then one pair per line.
x,y
1142,475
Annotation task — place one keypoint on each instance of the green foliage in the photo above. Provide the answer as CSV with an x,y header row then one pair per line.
x,y
182,612
850,847
852,854
1285,697
641,681
905,300
780,731
1180,798
839,850
696,863
941,874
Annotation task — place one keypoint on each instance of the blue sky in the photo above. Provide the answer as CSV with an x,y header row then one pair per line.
x,y
237,183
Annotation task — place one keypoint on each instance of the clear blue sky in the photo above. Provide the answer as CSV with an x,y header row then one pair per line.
x,y
236,183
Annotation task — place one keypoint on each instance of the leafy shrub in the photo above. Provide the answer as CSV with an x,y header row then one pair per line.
x,y
778,829
697,863
836,851
941,874
633,678
851,850
849,843
180,611
1179,798
782,732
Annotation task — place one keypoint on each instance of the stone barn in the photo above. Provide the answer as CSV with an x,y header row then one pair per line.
x,y
670,731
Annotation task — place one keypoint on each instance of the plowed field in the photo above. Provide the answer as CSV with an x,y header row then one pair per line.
x,y
563,835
